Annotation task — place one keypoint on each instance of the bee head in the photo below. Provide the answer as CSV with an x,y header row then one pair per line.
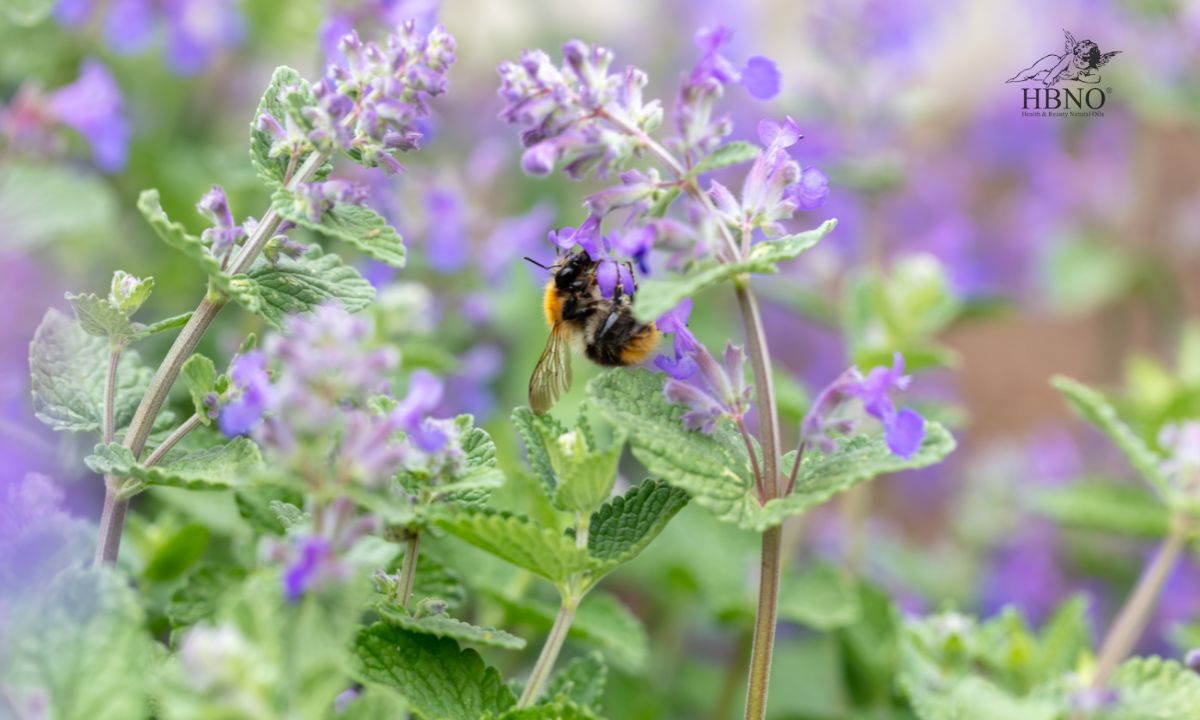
x,y
572,270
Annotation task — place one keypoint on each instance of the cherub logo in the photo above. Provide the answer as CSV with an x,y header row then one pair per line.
x,y
1081,63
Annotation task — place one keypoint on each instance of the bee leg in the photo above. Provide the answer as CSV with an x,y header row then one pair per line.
x,y
632,276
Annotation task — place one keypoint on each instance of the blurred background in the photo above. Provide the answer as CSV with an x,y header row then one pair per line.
x,y
994,250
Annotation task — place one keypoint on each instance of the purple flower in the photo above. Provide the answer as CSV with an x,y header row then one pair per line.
x,y
717,390
248,395
810,192
224,233
424,394
314,199
904,429
93,107
576,113
447,246
674,323
312,565
761,78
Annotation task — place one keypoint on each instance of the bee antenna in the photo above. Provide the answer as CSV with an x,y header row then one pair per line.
x,y
535,262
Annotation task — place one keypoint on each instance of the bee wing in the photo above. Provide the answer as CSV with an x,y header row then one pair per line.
x,y
552,374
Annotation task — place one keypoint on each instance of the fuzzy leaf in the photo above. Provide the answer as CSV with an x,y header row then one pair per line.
x,y
67,374
580,681
1155,688
360,226
1104,506
733,153
448,627
560,710
533,430
97,316
1092,406
33,213
627,524
481,473
586,477
713,469
441,681
199,376
177,321
273,170
520,541
857,460
215,468
290,287
658,295
819,597
175,235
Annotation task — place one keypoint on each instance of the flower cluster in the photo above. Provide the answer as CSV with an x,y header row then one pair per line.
x,y
904,428
368,104
709,389
608,251
91,106
776,186
578,113
196,31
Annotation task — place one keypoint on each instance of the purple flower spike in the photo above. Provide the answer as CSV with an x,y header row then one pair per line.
x,y
904,429
711,390
761,78
811,191
225,232
312,563
251,388
424,394
92,106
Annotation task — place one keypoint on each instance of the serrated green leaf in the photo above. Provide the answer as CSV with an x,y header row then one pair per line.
x,y
97,316
533,430
1104,506
859,459
713,469
480,474
586,477
199,376
215,468
86,614
562,710
441,681
200,595
448,627
627,524
732,153
520,541
1155,688
580,681
177,321
1092,406
820,597
67,375
658,295
267,508
273,170
360,226
175,235
289,287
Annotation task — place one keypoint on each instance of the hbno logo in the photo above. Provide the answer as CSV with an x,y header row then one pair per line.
x,y
1080,63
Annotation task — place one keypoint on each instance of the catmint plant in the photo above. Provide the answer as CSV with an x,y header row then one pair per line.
x,y
691,429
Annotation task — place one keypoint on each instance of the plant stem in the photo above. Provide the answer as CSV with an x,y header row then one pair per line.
x,y
110,393
764,624
172,440
1134,614
764,387
554,643
112,518
408,572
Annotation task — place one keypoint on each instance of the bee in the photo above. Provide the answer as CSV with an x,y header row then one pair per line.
x,y
581,318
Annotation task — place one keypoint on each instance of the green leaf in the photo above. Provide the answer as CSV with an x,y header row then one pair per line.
x,y
175,235
215,468
448,627
177,554
626,525
141,331
440,681
67,375
713,469
820,597
273,170
732,153
85,615
1104,506
658,295
289,287
1155,688
562,710
520,541
27,12
580,681
199,376
267,508
97,316
199,597
602,621
480,473
32,211
360,226
434,580
1092,406
376,702
534,429
859,459
586,477
128,293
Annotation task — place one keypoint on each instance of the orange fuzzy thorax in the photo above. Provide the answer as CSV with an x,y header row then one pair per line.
x,y
640,347
552,304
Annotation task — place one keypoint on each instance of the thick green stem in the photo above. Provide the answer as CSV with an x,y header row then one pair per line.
x,y
408,571
110,393
1136,611
764,624
546,660
112,518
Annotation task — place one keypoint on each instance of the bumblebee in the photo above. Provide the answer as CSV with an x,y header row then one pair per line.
x,y
581,318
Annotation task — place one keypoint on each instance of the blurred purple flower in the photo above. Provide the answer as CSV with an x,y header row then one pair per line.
x,y
345,16
810,192
904,429
1026,573
412,414
312,565
92,106
447,247
314,199
761,78
248,396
